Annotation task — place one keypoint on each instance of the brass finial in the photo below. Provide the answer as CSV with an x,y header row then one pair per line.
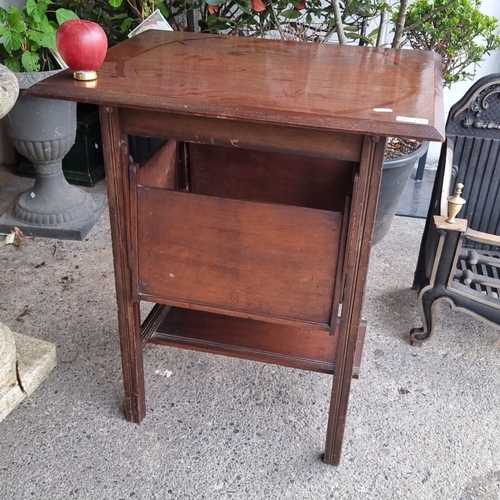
x,y
455,203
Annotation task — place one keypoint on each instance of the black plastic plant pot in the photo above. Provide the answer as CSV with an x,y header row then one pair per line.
x,y
395,176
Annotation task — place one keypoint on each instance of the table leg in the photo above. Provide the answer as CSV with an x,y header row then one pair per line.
x,y
362,218
116,158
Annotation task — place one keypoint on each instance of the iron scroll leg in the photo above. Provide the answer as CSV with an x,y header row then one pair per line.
x,y
426,299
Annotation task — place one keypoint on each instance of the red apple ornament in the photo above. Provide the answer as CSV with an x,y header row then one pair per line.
x,y
82,45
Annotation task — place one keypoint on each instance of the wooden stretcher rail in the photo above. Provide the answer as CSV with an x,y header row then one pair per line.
x,y
304,347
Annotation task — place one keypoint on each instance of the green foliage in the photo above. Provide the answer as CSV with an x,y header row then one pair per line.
x,y
458,31
116,17
27,36
288,19
366,8
461,34
312,20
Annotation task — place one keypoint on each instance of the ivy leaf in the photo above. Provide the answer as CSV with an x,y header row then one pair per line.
x,y
36,10
63,15
13,64
30,62
126,24
115,3
164,10
291,14
48,40
12,41
34,36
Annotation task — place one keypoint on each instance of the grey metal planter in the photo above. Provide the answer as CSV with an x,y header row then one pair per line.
x,y
395,176
44,130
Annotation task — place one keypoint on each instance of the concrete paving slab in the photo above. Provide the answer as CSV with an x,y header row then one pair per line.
x,y
33,360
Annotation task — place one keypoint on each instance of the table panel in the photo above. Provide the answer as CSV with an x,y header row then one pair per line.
x,y
363,90
270,177
237,255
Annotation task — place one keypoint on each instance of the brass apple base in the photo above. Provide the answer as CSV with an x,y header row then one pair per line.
x,y
85,76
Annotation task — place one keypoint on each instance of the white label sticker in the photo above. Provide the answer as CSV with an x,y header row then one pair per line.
x,y
410,119
383,110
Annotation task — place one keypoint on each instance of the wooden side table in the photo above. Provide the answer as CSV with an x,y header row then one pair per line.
x,y
250,229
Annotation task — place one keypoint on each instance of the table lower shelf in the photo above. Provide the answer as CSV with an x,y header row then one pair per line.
x,y
307,347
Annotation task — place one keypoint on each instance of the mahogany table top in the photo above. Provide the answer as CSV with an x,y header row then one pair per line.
x,y
361,90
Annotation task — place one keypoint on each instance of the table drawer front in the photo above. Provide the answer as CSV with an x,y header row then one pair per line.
x,y
242,256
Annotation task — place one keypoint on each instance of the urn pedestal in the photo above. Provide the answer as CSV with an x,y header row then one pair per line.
x,y
43,130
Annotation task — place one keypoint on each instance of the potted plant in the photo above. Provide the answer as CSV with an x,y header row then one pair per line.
x,y
455,29
459,33
28,36
42,130
462,35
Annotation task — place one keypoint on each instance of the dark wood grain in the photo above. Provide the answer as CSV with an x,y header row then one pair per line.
x,y
162,169
307,347
254,258
115,149
240,134
323,86
153,321
359,236
263,235
270,177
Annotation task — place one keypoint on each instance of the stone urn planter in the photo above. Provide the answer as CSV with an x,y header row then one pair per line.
x,y
43,130
24,362
9,90
395,176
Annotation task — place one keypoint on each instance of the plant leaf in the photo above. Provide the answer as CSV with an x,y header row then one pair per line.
x,y
36,10
291,14
126,24
31,8
34,36
46,25
48,40
12,41
30,62
19,26
13,64
63,15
